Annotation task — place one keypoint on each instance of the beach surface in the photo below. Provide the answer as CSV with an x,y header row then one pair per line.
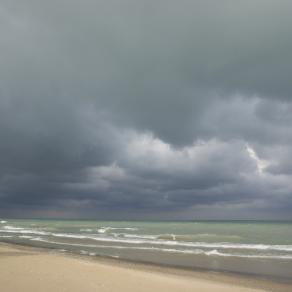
x,y
25,269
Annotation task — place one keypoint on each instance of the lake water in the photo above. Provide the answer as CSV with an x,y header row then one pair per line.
x,y
249,247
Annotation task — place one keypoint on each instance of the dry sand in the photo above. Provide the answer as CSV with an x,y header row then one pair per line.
x,y
23,270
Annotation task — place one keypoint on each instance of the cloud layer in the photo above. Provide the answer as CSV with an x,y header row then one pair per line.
x,y
146,109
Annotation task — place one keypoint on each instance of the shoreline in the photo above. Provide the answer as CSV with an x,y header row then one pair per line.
x,y
239,282
152,265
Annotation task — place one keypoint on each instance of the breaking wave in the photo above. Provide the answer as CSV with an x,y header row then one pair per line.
x,y
108,229
213,252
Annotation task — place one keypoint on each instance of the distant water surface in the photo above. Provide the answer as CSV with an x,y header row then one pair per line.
x,y
249,247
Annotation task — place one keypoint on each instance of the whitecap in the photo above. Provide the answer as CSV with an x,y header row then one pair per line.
x,y
258,256
7,227
105,229
67,235
36,239
25,236
12,229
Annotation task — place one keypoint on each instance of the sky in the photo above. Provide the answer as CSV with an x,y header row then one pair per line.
x,y
146,109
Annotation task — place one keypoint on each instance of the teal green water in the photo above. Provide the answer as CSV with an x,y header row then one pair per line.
x,y
253,247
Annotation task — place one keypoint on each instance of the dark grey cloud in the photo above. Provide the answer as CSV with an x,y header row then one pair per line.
x,y
135,109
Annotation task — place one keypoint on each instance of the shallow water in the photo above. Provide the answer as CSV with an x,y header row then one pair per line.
x,y
250,247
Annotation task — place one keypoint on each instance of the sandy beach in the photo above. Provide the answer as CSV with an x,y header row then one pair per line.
x,y
25,269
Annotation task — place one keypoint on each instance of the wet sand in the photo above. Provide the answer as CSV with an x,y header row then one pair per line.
x,y
28,270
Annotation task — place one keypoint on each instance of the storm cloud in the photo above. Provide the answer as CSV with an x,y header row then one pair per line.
x,y
146,109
